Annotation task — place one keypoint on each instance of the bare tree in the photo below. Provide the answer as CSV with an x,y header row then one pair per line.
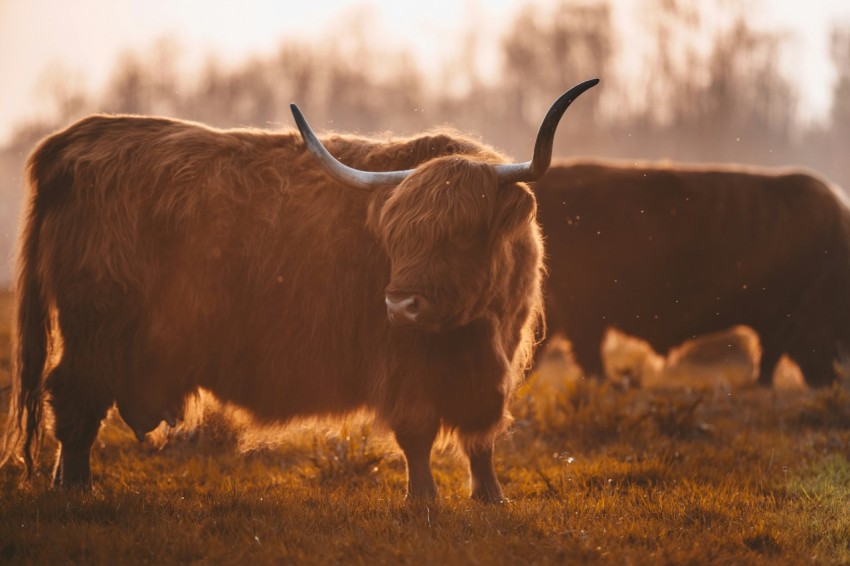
x,y
839,140
546,51
713,93
128,91
65,92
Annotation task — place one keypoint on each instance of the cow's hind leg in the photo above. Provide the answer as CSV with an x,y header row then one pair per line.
x,y
587,352
767,365
78,408
416,445
485,485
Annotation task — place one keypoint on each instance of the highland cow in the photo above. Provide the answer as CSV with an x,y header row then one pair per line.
x,y
666,253
166,256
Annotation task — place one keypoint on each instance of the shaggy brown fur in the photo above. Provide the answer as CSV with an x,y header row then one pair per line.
x,y
176,256
668,252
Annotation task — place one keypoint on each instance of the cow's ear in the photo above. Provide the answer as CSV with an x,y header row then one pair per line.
x,y
515,208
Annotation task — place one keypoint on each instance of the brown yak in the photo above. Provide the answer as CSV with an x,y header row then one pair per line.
x,y
666,252
171,256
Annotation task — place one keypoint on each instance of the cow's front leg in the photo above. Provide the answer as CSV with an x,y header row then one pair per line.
x,y
416,445
78,406
485,485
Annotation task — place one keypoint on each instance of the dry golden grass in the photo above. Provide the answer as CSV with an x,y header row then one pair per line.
x,y
596,473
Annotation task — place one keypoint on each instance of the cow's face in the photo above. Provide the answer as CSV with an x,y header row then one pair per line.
x,y
448,230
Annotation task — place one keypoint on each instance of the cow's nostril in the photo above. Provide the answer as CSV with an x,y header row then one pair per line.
x,y
411,305
405,309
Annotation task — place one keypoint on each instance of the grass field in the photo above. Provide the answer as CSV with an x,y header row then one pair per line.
x,y
596,473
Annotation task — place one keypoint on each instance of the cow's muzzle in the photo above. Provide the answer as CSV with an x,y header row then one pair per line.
x,y
409,309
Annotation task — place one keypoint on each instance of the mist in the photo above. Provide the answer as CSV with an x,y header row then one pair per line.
x,y
700,89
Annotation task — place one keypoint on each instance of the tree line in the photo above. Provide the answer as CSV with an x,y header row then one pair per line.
x,y
704,92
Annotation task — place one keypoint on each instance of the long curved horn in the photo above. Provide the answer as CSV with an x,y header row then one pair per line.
x,y
339,171
533,170
507,172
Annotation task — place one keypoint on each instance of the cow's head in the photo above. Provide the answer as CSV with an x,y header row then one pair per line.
x,y
444,229
445,223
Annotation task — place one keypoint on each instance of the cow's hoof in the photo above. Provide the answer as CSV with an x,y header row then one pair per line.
x,y
489,494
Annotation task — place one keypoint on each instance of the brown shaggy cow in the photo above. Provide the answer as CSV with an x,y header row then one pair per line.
x,y
666,253
172,256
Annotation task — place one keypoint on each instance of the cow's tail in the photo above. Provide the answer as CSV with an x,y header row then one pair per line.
x,y
23,434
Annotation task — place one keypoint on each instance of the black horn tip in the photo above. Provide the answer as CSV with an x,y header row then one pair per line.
x,y
299,117
581,88
592,82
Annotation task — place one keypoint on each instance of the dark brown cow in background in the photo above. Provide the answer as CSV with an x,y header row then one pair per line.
x,y
666,253
174,256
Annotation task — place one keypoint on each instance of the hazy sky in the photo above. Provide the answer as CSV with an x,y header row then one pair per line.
x,y
85,36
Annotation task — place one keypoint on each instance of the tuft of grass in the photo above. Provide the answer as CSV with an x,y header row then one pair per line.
x,y
346,457
829,407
